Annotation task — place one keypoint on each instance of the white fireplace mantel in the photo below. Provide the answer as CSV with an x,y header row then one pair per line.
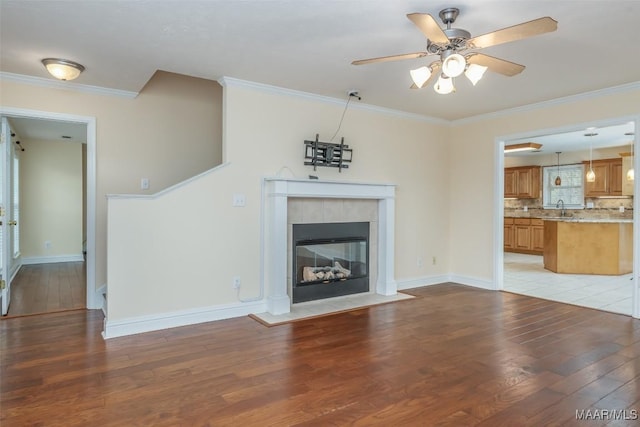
x,y
274,251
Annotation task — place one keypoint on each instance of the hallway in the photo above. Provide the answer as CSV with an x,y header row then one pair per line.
x,y
47,288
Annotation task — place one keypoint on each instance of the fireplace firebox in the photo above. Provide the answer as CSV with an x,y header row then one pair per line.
x,y
329,260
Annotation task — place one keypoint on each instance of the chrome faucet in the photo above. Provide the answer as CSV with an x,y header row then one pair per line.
x,y
561,204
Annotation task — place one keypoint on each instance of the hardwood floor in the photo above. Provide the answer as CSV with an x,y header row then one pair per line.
x,y
46,288
454,356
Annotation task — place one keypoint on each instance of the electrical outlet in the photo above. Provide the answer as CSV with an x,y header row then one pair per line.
x,y
419,261
236,282
434,261
144,183
47,244
239,200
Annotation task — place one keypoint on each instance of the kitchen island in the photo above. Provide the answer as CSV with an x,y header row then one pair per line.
x,y
588,246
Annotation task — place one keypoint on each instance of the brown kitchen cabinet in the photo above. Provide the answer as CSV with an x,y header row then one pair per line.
x,y
522,182
524,235
608,180
508,233
537,235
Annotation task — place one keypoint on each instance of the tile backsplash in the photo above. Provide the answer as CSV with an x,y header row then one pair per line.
x,y
603,208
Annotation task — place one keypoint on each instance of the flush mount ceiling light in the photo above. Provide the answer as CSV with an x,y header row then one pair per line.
x,y
62,69
454,47
525,146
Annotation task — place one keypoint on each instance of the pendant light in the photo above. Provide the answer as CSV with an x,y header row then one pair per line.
x,y
631,172
591,175
558,179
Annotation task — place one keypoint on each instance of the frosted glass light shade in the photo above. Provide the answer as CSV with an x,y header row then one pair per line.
x,y
475,72
420,75
591,176
631,175
62,69
444,85
454,65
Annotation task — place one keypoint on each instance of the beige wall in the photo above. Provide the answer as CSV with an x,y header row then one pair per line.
x,y
445,176
170,132
51,198
473,170
192,266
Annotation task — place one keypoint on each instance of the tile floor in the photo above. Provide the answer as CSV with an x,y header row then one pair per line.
x,y
525,274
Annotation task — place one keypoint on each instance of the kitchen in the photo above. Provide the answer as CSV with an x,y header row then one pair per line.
x,y
568,236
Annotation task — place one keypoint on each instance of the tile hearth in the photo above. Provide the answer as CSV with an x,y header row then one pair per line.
x,y
307,310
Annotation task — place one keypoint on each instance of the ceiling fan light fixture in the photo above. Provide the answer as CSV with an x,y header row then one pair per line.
x,y
475,72
420,75
62,69
454,65
444,85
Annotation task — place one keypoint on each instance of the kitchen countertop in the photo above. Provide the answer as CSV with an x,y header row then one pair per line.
x,y
594,220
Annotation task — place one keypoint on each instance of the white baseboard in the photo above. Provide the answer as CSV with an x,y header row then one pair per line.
x,y
155,322
101,299
421,281
52,259
474,281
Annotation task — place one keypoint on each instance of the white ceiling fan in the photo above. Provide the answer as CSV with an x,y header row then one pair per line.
x,y
455,48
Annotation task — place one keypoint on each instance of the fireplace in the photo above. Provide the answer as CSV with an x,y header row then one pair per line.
x,y
324,202
329,260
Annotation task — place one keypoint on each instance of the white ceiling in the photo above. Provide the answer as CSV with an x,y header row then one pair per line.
x,y
308,45
614,135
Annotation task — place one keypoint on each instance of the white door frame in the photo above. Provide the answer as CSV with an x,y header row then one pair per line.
x,y
93,299
5,253
498,200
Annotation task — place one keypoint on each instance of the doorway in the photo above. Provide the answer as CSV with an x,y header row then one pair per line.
x,y
523,271
64,124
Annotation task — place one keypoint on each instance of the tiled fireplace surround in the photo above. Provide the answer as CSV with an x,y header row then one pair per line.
x,y
297,201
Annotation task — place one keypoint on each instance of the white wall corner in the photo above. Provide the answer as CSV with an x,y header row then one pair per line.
x,y
155,322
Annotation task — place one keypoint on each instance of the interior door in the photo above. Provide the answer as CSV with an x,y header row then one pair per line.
x,y
5,180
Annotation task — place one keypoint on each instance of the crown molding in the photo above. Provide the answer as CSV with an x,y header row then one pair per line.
x,y
57,84
550,103
231,81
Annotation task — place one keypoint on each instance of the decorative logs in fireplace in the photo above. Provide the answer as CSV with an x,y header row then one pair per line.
x,y
329,259
326,274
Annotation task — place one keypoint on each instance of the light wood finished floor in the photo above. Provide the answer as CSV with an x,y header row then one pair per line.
x,y
453,356
46,288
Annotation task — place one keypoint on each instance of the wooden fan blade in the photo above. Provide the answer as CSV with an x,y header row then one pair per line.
x,y
517,32
435,72
429,27
496,65
390,58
